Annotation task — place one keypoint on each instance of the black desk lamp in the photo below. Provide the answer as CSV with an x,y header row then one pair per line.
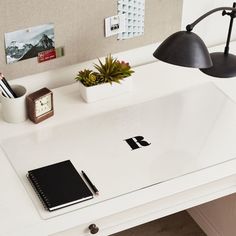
x,y
185,48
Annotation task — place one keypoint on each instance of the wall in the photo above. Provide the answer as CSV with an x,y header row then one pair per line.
x,y
213,29
79,26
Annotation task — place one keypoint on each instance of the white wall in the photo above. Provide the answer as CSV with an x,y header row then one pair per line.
x,y
213,29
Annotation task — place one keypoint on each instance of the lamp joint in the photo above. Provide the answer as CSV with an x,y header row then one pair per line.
x,y
189,28
232,14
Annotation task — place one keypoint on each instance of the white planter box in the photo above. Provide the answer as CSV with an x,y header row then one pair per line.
x,y
102,91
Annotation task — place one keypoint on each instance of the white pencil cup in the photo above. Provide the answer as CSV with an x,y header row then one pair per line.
x,y
14,109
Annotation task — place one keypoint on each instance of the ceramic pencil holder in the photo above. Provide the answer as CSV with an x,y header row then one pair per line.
x,y
14,109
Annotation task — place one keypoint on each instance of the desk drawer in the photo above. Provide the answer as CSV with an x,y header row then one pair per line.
x,y
114,223
154,210
124,220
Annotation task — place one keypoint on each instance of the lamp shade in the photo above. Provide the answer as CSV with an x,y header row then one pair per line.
x,y
184,48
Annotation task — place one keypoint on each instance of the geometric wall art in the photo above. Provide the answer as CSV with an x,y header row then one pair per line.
x,y
134,11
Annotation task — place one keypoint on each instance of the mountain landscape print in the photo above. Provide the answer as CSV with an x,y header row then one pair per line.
x,y
27,43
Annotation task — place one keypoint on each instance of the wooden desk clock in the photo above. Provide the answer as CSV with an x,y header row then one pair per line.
x,y
40,105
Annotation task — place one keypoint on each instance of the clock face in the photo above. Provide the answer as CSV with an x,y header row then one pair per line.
x,y
43,105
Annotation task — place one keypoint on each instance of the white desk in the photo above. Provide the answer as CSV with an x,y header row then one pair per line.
x,y
18,214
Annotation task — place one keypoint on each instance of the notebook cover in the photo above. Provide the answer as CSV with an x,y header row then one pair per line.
x,y
59,185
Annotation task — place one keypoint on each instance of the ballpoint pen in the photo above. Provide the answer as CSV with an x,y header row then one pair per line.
x,y
6,88
93,187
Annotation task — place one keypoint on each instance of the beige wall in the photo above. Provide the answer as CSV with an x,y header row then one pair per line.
x,y
79,27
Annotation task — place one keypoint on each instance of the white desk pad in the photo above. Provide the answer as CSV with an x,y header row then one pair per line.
x,y
187,131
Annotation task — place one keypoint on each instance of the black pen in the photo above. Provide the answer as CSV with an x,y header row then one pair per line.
x,y
93,187
7,87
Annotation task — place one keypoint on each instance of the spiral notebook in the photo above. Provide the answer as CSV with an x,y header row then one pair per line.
x,y
59,185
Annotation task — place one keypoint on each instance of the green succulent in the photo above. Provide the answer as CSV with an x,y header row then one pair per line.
x,y
87,77
110,71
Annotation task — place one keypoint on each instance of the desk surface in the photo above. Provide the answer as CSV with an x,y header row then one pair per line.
x,y
151,81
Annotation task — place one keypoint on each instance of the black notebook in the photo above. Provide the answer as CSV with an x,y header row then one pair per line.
x,y
59,185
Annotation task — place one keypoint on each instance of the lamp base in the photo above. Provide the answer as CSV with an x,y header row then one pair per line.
x,y
224,65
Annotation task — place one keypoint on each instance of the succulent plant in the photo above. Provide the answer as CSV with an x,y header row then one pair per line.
x,y
87,77
125,68
110,71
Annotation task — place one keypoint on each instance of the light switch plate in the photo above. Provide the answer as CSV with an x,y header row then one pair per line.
x,y
114,25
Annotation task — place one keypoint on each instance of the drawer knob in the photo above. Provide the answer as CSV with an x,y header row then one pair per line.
x,y
93,229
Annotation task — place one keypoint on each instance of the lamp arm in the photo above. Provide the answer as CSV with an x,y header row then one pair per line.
x,y
190,27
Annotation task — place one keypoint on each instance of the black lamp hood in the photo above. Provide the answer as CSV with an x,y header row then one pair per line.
x,y
184,48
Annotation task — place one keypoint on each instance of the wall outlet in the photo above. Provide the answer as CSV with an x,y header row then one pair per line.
x,y
114,25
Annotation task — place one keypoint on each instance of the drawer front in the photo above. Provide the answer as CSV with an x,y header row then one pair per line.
x,y
81,230
109,225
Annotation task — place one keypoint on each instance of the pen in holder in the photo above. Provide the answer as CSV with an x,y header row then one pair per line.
x,y
14,109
